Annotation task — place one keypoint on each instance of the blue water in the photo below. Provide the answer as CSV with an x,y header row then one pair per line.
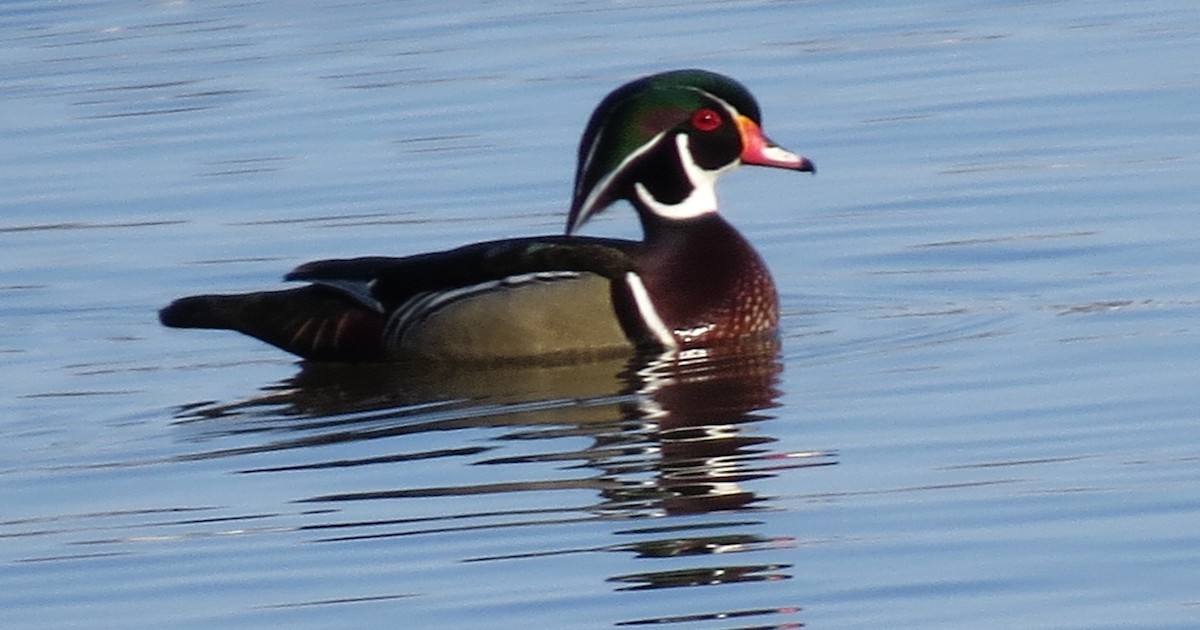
x,y
982,415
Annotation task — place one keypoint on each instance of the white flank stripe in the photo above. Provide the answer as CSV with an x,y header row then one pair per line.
x,y
648,312
422,306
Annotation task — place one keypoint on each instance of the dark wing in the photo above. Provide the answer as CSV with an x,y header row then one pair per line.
x,y
343,314
391,282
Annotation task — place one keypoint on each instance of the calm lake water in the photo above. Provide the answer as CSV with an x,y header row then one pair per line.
x,y
983,414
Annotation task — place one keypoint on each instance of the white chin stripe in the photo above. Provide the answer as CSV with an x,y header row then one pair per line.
x,y
648,313
703,198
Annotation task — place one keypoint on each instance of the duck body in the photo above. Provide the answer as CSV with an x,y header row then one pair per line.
x,y
660,143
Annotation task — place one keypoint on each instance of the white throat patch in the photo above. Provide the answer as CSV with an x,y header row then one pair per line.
x,y
703,198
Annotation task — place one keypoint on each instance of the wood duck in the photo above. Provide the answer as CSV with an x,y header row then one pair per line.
x,y
660,143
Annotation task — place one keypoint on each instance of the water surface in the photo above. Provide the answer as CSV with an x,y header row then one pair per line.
x,y
981,414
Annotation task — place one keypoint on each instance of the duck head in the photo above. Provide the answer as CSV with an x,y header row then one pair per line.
x,y
662,141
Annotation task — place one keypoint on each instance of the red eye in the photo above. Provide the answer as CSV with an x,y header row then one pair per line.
x,y
706,120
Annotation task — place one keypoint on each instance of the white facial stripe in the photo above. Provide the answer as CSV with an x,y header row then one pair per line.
x,y
587,161
649,314
703,198
601,186
733,113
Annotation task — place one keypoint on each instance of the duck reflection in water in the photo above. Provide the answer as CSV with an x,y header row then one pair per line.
x,y
671,434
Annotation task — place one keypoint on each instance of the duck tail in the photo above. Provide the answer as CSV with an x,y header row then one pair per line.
x,y
313,322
